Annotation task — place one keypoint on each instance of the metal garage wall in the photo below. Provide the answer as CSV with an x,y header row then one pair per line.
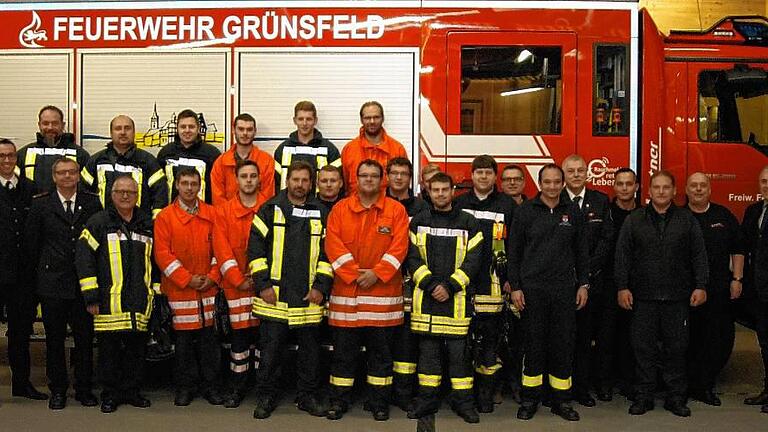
x,y
134,82
338,82
29,82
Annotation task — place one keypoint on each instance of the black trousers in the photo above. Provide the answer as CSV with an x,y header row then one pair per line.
x,y
511,350
121,363
57,313
665,322
488,331
405,353
549,322
240,359
432,352
712,336
760,310
613,347
21,309
346,347
198,359
274,337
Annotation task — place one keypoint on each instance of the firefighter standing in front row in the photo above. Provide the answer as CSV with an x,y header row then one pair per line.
x,y
292,278
184,253
493,210
367,241
444,258
548,260
114,263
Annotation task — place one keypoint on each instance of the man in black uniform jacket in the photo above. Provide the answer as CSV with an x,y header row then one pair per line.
x,y
661,269
594,206
330,184
712,326
15,199
548,260
755,231
53,226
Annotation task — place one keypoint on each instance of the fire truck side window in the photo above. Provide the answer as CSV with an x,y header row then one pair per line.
x,y
611,90
511,90
733,106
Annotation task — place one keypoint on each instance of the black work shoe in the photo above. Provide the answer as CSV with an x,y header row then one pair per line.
x,y
565,411
426,423
527,411
183,398
264,407
640,407
469,415
86,399
214,397
28,391
706,396
57,401
138,401
605,394
585,399
336,411
108,406
381,414
312,405
485,407
233,400
764,409
677,407
760,399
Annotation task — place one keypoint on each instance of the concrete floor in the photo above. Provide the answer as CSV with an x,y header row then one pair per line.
x,y
741,376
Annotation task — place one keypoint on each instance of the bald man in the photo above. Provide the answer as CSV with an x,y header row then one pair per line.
x,y
711,324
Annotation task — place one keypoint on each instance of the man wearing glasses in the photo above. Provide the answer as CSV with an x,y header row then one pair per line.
x,y
513,183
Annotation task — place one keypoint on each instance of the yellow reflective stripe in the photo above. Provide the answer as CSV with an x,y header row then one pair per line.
x,y
488,370
88,284
429,380
284,164
201,170
488,308
421,242
324,268
148,276
476,240
412,237
559,384
156,177
29,165
461,278
461,252
86,176
337,163
462,383
403,368
342,382
460,305
116,270
321,161
533,381
260,226
257,265
88,237
315,230
156,212
418,296
120,321
278,244
101,174
139,177
294,316
420,274
379,381
495,284
169,181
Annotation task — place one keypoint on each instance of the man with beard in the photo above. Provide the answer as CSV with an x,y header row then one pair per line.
x,y
35,159
292,278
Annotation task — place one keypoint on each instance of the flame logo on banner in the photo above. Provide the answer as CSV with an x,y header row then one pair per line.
x,y
31,34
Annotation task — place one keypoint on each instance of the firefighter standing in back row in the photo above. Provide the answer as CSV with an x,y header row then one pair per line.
x,y
493,210
184,253
366,241
548,275
292,278
444,257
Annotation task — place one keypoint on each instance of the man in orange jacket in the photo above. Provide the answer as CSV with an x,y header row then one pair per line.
x,y
230,244
184,253
366,242
224,184
372,143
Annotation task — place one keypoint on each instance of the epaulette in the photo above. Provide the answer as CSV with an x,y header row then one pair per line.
x,y
41,194
87,192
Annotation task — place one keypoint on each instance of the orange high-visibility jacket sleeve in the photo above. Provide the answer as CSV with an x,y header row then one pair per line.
x,y
342,261
225,256
168,263
218,185
393,259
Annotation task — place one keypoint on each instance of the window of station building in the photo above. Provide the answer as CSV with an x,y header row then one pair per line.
x,y
733,106
610,100
511,90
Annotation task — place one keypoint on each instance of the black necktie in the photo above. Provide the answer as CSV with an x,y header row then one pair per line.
x,y
577,200
8,185
70,213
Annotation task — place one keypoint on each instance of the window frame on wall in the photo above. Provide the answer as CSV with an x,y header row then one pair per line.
x,y
608,112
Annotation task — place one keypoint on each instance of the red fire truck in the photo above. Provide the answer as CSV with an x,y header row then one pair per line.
x,y
528,82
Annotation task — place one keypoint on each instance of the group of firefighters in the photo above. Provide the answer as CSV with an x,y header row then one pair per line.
x,y
500,290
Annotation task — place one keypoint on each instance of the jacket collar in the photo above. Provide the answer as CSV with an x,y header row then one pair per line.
x,y
67,140
385,144
316,140
357,207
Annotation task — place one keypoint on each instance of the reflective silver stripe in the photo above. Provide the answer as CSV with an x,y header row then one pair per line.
x,y
239,355
486,215
213,261
443,232
191,304
392,260
50,151
141,238
245,301
208,315
370,316
306,150
238,368
186,319
340,261
208,301
172,267
228,264
366,300
303,213
245,316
